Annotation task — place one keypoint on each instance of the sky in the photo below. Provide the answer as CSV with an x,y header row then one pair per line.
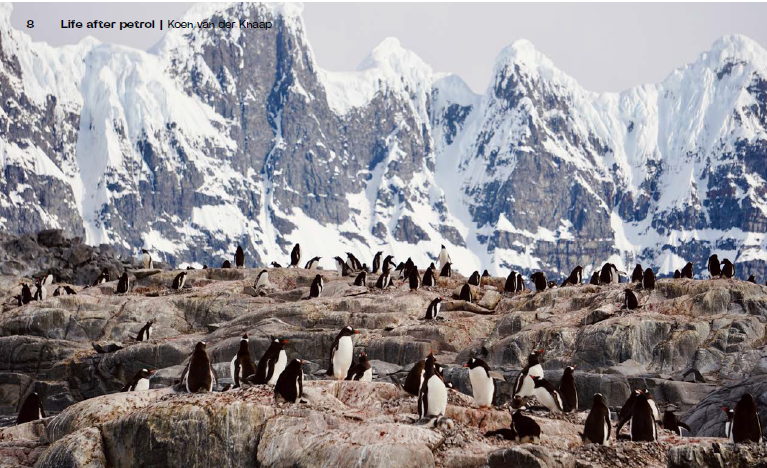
x,y
604,46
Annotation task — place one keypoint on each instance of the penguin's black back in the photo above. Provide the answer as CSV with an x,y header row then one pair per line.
x,y
746,426
466,294
568,391
642,420
598,418
525,426
360,279
413,380
511,283
290,383
30,410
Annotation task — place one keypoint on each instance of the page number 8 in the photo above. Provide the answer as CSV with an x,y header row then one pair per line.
x,y
30,24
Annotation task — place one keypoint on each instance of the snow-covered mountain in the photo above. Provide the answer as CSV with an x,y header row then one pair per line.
x,y
216,138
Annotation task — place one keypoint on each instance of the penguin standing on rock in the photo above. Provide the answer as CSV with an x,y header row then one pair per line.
x,y
713,266
728,424
361,279
539,280
140,381
677,274
178,281
728,269
576,277
271,364
290,385
341,267
597,428
746,426
295,256
528,431
443,258
428,278
198,375
432,311
568,390
241,367
226,264
474,279
316,288
482,384
47,280
376,262
524,386
261,280
648,279
546,394
636,275
146,260
414,279
687,271
446,271
520,283
511,283
594,279
26,294
123,286
384,281
102,278
362,371
239,257
146,331
673,424
31,409
341,353
630,300
312,264
432,398
642,423
40,292
751,279
466,294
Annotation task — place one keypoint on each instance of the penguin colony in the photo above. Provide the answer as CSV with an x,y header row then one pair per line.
x,y
426,378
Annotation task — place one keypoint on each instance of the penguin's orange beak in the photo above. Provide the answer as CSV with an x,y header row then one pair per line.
x,y
465,365
356,331
285,341
303,362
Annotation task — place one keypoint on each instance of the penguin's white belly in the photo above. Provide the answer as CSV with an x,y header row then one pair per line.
x,y
655,413
340,268
536,370
141,385
443,258
279,366
527,386
605,439
148,333
482,386
232,366
547,399
367,376
728,430
437,396
212,381
263,280
146,261
342,358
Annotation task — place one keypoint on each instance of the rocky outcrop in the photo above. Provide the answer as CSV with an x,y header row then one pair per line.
x,y
717,455
707,418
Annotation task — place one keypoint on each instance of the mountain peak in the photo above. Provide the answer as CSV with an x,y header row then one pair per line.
x,y
390,55
735,46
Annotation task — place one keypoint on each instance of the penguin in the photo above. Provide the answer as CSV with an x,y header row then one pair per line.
x,y
384,281
123,286
677,274
316,288
406,268
387,264
673,424
64,290
446,271
271,364
226,264
376,262
653,406
241,366
547,395
146,260
239,257
40,292
466,294
606,274
642,425
474,279
31,409
524,386
47,280
341,353
443,259
312,264
290,384
648,279
205,267
630,300
26,294
432,398
102,278
352,262
539,280
59,291
528,431
414,378
70,291
362,371
146,331
594,279
568,390
687,271
361,279
198,375
428,278
139,382
295,256
728,424
576,276
636,275
713,266
273,264
506,433
432,311
178,281
597,428
751,279
190,267
520,283
728,269
625,412
261,280
511,283
483,279
746,426
482,384
413,279
341,267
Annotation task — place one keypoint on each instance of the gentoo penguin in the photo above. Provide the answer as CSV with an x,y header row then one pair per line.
x,y
146,260
523,385
362,371
728,424
205,267
40,292
47,280
653,406
539,280
26,294
594,279
636,275
31,409
482,384
446,271
273,264
239,257
677,274
428,278
226,264
146,331
384,281
198,375
673,424
713,266
341,353
630,300
474,279
290,384
414,378
568,390
432,398
241,367
361,279
295,256
511,283
59,291
751,279
576,276
271,364
528,431
414,279
341,267
102,278
547,395
642,425
432,311
625,413
64,290
316,288
178,281
123,286
443,259
312,264
551,284
466,294
597,428
746,426
352,262
388,263
687,271
728,269
376,262
406,268
520,283
139,382
261,280
648,279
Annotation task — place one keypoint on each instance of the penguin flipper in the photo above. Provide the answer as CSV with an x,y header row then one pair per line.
x,y
184,372
683,425
213,373
620,425
236,375
496,375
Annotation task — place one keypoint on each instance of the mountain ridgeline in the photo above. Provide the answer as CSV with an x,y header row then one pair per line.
x,y
221,137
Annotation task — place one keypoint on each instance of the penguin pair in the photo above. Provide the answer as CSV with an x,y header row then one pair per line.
x,y
179,281
64,291
482,382
524,385
341,267
539,280
641,412
198,374
576,277
414,378
295,256
312,264
523,429
146,331
609,274
432,397
140,381
271,365
341,353
273,265
352,263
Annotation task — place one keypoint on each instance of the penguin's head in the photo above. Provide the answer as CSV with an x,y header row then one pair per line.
x,y
747,400
443,247
571,369
147,373
349,331
485,274
144,251
473,362
244,337
200,346
598,399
